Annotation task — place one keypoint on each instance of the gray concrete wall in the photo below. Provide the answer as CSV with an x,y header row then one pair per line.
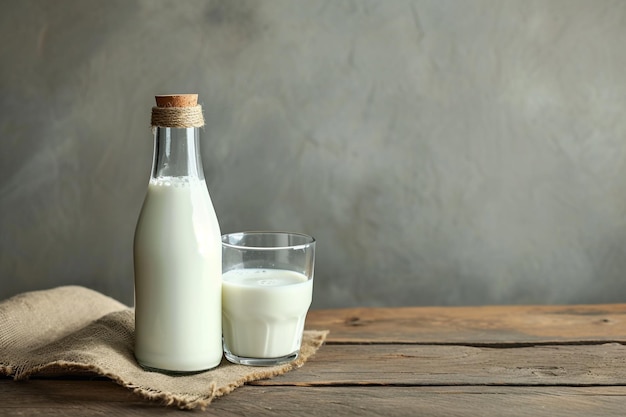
x,y
442,152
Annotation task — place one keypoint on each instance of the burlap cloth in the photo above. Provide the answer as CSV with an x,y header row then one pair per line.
x,y
73,330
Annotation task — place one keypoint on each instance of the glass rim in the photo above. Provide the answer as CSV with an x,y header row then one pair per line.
x,y
310,240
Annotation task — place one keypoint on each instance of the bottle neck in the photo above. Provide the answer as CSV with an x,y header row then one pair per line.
x,y
177,153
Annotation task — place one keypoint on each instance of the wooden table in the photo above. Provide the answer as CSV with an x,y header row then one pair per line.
x,y
461,361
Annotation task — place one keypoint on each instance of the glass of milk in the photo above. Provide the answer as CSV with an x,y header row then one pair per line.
x,y
267,288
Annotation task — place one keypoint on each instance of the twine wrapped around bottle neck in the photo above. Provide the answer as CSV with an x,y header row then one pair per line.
x,y
177,116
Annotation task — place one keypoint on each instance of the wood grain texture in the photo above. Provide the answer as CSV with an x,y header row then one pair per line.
x,y
100,397
474,326
423,365
489,361
427,401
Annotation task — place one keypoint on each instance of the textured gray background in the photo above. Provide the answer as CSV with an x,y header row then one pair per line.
x,y
442,152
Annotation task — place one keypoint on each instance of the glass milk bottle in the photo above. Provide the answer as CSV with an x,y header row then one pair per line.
x,y
177,250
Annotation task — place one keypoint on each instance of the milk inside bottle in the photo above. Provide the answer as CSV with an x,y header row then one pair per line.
x,y
177,250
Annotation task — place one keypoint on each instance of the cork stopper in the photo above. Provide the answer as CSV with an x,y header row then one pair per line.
x,y
177,110
177,100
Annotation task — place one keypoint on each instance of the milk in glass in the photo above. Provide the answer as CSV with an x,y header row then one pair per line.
x,y
264,311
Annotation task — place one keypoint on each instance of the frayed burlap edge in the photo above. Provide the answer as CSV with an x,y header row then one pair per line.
x,y
61,368
317,339
75,331
313,338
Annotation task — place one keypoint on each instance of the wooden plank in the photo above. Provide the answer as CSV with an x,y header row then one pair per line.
x,y
474,326
97,398
424,401
424,365
73,397
427,365
491,361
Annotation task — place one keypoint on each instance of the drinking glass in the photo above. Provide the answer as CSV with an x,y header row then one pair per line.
x,y
267,288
